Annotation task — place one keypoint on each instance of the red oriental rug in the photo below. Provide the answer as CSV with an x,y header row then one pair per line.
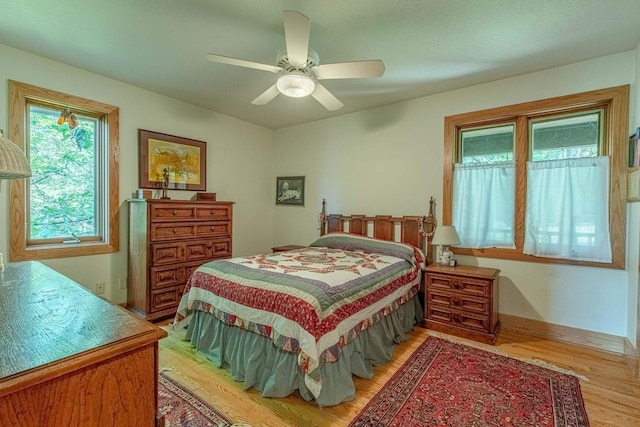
x,y
449,384
182,408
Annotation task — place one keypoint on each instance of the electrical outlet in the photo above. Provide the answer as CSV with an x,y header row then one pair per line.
x,y
122,283
100,288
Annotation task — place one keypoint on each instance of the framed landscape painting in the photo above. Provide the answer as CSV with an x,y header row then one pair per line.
x,y
290,190
183,160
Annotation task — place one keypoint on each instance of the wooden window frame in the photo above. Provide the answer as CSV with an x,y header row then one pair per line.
x,y
19,248
614,101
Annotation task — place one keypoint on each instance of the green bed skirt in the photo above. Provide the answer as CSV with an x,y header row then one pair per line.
x,y
257,362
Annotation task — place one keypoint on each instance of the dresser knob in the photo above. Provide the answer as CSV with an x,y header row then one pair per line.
x,y
456,301
456,318
175,230
175,212
212,228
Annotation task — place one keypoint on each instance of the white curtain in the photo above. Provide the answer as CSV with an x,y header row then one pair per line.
x,y
567,213
484,204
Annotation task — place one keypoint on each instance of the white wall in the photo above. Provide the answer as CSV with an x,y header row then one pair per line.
x,y
633,216
389,160
239,159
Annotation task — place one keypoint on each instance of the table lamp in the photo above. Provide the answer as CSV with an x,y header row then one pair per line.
x,y
445,236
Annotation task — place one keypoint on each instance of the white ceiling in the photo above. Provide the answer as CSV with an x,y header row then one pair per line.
x,y
428,46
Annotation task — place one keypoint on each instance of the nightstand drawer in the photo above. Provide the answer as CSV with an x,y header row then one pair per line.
x,y
459,301
461,284
469,321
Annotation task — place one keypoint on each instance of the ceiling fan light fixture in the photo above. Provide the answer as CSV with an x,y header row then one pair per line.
x,y
296,85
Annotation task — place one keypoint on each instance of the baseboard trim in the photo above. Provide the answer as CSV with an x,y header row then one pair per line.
x,y
553,332
632,357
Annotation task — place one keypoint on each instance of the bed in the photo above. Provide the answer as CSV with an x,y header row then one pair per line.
x,y
308,320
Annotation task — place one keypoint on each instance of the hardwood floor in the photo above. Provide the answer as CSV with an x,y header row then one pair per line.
x,y
610,391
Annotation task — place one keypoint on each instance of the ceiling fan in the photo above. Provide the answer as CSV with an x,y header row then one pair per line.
x,y
300,66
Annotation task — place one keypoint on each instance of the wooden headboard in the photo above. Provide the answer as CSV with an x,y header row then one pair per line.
x,y
415,230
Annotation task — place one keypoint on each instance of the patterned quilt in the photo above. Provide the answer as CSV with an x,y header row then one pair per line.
x,y
311,301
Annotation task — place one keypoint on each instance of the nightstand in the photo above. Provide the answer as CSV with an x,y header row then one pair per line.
x,y
463,301
286,248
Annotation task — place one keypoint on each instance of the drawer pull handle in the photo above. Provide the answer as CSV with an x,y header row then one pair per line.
x,y
212,228
175,230
456,318
175,212
456,285
456,301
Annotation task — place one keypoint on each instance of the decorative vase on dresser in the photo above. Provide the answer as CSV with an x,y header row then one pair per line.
x,y
168,240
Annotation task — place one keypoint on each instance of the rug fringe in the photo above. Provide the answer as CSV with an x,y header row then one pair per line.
x,y
167,368
495,350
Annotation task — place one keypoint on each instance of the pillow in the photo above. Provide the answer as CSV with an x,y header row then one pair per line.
x,y
354,242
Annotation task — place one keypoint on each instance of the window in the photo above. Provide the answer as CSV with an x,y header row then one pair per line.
x,y
540,181
69,207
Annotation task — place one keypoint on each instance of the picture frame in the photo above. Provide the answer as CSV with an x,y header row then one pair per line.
x,y
290,190
634,149
182,159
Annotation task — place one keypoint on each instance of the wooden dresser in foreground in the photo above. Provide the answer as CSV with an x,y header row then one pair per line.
x,y
70,358
168,240
463,301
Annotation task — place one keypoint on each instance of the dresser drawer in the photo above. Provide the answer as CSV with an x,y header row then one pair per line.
x,y
465,285
171,231
189,212
222,213
166,298
220,248
219,228
173,252
458,301
172,213
165,231
172,275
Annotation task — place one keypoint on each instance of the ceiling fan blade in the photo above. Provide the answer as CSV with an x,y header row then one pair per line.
x,y
266,96
326,98
296,32
242,63
349,70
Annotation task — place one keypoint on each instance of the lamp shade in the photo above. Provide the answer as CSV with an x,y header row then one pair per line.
x,y
13,162
445,235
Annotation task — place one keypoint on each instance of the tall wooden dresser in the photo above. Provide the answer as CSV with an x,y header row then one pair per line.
x,y
168,240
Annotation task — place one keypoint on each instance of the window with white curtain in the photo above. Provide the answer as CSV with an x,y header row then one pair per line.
x,y
568,209
540,181
484,187
483,205
567,213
